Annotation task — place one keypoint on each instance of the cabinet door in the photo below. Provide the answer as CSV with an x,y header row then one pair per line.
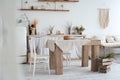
x,y
21,40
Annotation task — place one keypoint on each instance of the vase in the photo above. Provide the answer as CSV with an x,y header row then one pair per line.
x,y
69,30
33,31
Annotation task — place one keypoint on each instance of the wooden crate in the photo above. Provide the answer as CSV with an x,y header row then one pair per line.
x,y
104,71
104,64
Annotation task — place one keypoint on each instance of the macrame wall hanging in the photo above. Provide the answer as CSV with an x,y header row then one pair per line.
x,y
103,17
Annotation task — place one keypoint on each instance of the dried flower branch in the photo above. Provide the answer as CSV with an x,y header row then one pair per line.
x,y
69,26
51,29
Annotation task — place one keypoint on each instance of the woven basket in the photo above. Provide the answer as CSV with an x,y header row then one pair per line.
x,y
67,37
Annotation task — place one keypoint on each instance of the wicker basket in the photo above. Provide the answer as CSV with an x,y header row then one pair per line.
x,y
67,37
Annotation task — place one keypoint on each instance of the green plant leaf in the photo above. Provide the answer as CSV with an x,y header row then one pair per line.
x,y
111,55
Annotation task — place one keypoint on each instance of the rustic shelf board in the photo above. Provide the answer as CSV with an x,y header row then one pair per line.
x,y
44,10
58,0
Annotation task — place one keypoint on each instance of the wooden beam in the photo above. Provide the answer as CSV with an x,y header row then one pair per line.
x,y
94,57
85,51
52,60
58,61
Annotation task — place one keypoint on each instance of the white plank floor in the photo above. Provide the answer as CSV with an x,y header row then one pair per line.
x,y
75,72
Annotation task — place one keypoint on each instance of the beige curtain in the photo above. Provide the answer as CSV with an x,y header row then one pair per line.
x,y
104,17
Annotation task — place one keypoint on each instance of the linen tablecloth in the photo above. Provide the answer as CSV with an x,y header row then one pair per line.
x,y
67,45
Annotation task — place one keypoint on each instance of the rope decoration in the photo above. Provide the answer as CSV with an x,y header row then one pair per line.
x,y
104,17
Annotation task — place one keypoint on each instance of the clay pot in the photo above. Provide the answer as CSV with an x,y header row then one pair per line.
x,y
79,32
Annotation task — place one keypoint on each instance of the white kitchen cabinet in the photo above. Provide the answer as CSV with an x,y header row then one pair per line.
x,y
21,45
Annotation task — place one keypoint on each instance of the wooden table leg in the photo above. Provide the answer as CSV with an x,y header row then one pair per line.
x,y
85,51
94,57
58,61
52,60
105,50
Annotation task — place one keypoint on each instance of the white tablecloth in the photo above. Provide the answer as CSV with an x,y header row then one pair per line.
x,y
64,45
42,39
67,45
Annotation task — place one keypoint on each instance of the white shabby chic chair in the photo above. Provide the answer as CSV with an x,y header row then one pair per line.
x,y
42,57
67,54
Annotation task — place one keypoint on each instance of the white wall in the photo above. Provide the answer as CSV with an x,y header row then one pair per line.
x,y
84,12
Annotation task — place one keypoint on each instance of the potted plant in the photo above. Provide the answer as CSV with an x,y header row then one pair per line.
x,y
79,29
108,57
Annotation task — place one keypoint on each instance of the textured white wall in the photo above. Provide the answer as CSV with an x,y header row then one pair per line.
x,y
84,12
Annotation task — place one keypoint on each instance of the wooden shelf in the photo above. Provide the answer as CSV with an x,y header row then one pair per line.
x,y
44,10
58,0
